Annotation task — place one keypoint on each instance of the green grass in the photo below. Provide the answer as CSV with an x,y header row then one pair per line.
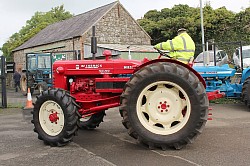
x,y
18,105
7,111
226,101
9,106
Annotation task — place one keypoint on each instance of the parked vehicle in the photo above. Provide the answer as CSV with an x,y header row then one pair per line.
x,y
245,56
37,75
221,58
38,70
235,84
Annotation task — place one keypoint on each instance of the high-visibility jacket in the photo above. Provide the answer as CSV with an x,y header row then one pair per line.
x,y
181,47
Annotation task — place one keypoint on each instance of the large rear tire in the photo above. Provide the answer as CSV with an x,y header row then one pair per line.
x,y
55,117
91,122
246,92
164,105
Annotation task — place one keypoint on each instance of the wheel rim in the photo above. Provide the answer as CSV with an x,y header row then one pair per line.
x,y
51,118
85,119
163,108
23,84
40,88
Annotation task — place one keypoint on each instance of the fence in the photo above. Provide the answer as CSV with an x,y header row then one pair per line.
x,y
228,47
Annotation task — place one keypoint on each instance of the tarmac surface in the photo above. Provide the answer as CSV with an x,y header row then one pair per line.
x,y
224,142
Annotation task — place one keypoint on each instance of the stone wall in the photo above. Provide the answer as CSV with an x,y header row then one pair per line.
x,y
67,45
119,27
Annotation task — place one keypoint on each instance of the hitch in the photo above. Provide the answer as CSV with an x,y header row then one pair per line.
x,y
215,95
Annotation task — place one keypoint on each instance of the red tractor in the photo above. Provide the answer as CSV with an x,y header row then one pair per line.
x,y
163,102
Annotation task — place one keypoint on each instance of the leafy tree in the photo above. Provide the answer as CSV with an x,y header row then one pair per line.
x,y
241,25
220,25
39,21
153,15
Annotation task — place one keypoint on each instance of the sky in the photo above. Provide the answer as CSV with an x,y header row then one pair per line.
x,y
15,13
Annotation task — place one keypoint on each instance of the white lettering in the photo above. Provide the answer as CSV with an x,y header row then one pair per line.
x,y
105,71
91,66
128,67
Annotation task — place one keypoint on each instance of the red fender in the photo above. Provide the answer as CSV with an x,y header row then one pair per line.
x,y
147,62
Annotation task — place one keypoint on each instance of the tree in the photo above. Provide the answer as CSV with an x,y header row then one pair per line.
x,y
220,25
241,24
39,21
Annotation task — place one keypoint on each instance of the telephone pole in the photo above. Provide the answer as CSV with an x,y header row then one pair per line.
x,y
202,32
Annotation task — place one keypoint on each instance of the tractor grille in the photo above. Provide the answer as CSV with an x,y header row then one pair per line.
x,y
110,85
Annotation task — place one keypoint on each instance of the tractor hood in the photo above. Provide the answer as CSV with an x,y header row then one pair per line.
x,y
88,67
215,71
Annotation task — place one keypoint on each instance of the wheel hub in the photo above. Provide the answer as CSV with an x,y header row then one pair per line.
x,y
163,104
53,117
163,107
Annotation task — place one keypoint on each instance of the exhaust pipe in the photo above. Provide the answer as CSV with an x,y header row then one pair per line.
x,y
93,43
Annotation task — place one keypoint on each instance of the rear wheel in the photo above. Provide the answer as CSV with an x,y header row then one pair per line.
x,y
91,122
55,117
42,86
164,105
23,84
246,92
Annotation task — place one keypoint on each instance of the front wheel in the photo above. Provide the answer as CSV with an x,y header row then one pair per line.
x,y
55,117
164,105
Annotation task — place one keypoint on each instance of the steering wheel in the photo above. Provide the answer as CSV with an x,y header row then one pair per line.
x,y
162,53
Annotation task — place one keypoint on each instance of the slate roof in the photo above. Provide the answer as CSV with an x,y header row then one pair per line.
x,y
67,29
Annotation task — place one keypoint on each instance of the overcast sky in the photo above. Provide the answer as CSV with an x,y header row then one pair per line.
x,y
15,13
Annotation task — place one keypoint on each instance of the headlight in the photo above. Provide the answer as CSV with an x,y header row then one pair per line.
x,y
70,81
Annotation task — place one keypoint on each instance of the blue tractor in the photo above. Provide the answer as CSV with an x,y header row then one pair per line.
x,y
38,71
227,80
37,75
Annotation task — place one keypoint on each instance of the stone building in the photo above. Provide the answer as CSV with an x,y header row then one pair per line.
x,y
114,28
